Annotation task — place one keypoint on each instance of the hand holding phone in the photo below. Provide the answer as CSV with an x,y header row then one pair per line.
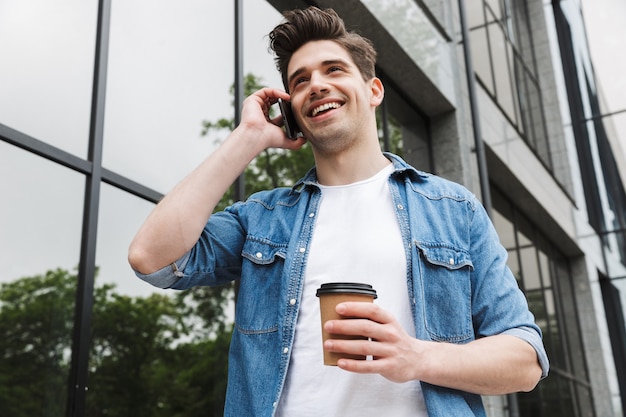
x,y
291,126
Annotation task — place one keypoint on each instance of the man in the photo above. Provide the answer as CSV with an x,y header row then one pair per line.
x,y
449,324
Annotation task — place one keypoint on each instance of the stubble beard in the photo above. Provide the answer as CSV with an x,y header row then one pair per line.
x,y
333,139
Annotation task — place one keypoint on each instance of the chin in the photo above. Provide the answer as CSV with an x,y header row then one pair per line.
x,y
331,143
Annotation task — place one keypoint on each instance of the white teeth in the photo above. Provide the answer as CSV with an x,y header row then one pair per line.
x,y
323,107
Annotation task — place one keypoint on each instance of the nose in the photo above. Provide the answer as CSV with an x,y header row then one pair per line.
x,y
317,84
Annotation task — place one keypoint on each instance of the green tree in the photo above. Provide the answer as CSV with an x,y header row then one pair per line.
x,y
35,327
155,356
163,355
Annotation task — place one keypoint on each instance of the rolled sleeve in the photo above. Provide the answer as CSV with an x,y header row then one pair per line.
x,y
533,338
166,276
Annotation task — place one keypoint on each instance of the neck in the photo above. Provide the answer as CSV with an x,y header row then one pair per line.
x,y
350,166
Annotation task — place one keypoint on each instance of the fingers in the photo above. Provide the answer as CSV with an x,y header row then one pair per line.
x,y
385,341
367,320
267,97
369,311
362,347
393,351
255,118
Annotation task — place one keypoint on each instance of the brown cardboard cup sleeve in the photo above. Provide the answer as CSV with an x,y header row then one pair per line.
x,y
332,294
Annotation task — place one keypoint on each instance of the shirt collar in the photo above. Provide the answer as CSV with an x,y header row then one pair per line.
x,y
399,167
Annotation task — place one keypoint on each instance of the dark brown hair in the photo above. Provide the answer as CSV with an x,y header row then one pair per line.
x,y
312,24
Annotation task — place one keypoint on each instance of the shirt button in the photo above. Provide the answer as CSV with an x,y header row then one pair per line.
x,y
292,301
400,207
259,255
451,261
285,350
311,214
302,250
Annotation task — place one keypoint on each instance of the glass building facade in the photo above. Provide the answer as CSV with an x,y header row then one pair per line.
x,y
102,106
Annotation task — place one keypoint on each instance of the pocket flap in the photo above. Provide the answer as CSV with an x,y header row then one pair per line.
x,y
262,252
445,256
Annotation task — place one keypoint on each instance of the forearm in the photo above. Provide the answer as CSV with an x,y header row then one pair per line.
x,y
489,366
177,221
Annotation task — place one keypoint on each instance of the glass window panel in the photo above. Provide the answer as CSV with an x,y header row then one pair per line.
x,y
518,96
41,227
170,67
501,53
552,333
547,403
565,406
475,13
505,229
481,58
523,38
163,84
259,18
585,400
513,263
408,135
537,116
120,217
413,144
40,244
571,337
536,304
494,7
529,404
549,306
544,268
502,214
513,100
530,268
530,100
524,230
47,51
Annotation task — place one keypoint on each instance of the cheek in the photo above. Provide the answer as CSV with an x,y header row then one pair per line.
x,y
296,106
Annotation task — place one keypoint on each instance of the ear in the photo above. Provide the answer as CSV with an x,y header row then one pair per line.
x,y
377,90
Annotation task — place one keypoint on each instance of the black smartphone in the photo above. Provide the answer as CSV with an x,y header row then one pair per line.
x,y
291,126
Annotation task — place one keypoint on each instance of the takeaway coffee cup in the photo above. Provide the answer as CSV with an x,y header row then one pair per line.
x,y
332,294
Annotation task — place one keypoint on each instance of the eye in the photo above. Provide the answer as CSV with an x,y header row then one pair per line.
x,y
297,82
334,68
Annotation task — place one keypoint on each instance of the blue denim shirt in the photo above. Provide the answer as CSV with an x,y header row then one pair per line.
x,y
459,284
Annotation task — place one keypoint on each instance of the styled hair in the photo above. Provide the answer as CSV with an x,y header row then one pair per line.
x,y
300,26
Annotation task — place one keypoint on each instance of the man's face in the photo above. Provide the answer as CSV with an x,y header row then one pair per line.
x,y
333,104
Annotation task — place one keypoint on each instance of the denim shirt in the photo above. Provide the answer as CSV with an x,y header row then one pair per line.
x,y
459,285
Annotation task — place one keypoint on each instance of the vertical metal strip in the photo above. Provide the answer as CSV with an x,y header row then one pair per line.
x,y
471,87
240,184
77,383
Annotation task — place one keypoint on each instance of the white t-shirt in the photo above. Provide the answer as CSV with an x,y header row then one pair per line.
x,y
356,239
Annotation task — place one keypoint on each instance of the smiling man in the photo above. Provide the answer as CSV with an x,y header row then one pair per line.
x,y
449,324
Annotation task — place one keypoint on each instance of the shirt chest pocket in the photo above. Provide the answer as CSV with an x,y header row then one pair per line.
x,y
259,290
447,292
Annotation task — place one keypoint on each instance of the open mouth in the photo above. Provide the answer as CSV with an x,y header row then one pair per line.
x,y
324,108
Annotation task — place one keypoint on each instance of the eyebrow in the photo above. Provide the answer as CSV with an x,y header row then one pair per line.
x,y
324,64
